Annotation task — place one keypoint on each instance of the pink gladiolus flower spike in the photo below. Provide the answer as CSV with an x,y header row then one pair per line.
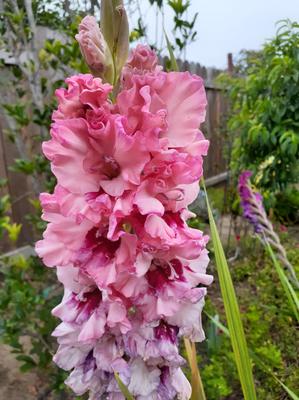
x,y
134,273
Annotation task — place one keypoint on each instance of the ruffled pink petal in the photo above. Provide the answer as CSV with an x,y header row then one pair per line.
x,y
67,151
146,203
185,100
61,241
102,275
132,155
143,263
156,227
115,187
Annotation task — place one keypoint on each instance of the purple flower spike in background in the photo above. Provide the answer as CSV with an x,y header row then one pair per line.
x,y
251,201
254,212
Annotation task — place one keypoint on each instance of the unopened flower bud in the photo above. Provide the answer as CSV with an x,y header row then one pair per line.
x,y
142,60
115,28
95,49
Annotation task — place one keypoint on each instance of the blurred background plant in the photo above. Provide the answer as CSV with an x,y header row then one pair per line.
x,y
7,226
28,292
183,24
264,121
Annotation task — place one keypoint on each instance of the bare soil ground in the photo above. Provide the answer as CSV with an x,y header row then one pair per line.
x,y
14,385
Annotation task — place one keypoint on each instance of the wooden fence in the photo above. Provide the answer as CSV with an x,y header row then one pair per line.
x,y
19,187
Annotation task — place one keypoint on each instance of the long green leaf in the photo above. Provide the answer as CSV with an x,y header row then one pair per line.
x,y
265,368
123,387
287,389
198,392
174,64
257,360
218,324
288,288
232,312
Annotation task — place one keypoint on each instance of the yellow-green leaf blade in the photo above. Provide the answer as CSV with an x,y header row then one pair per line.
x,y
232,312
256,359
174,64
289,290
123,388
196,382
287,389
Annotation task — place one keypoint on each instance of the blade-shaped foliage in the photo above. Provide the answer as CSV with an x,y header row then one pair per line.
x,y
123,388
198,392
173,62
256,359
232,312
288,288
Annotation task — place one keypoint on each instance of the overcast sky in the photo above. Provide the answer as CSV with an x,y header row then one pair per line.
x,y
225,26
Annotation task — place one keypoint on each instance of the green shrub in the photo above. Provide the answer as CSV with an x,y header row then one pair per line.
x,y
265,113
28,292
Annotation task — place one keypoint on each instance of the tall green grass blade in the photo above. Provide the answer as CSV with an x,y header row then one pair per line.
x,y
232,312
288,288
174,64
266,369
219,325
287,389
123,387
256,359
198,392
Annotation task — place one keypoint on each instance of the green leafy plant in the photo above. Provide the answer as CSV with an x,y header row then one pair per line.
x,y
258,361
8,228
183,24
28,292
265,114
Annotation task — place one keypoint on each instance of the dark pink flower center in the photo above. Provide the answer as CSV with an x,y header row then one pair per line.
x,y
86,304
111,167
165,331
96,245
162,273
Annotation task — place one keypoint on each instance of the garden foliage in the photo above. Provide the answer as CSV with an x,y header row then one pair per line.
x,y
265,116
28,291
270,327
